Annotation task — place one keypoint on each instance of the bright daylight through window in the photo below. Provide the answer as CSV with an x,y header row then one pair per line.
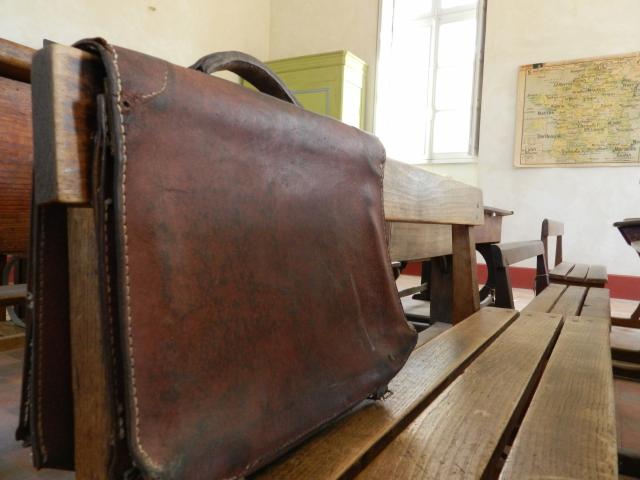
x,y
426,103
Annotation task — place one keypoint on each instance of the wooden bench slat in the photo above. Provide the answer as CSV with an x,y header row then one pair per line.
x,y
546,300
578,273
466,427
561,270
571,301
569,430
515,252
597,274
432,332
414,195
15,60
597,303
12,294
339,449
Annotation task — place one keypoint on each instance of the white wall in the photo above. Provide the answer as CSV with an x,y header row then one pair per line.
x,y
300,27
176,30
588,200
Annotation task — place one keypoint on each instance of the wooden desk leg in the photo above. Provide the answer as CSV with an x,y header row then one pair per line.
x,y
92,405
466,298
484,249
425,277
441,295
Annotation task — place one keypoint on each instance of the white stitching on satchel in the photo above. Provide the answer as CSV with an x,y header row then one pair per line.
x,y
43,448
162,88
126,262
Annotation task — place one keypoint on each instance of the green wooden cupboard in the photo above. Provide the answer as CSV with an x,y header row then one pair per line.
x,y
331,84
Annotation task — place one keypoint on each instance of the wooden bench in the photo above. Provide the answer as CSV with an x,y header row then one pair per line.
x,y
506,254
461,397
569,273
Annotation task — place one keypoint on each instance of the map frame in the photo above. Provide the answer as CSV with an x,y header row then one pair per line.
x,y
523,72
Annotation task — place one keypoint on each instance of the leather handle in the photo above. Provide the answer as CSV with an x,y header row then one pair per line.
x,y
250,69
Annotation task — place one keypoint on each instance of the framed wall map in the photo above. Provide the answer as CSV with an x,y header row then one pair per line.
x,y
579,113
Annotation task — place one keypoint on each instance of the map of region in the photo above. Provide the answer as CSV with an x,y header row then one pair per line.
x,y
585,112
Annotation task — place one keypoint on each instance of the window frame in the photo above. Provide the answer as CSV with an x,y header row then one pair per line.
x,y
435,19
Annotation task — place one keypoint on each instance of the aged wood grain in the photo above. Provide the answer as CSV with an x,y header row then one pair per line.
x,y
432,332
64,143
341,448
92,409
514,252
569,430
464,430
490,231
578,273
466,297
16,161
597,303
414,195
561,270
415,241
15,60
571,301
546,300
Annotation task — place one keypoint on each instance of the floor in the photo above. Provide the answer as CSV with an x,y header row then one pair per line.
x,y
15,462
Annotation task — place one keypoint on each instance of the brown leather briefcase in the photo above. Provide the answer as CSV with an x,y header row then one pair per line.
x,y
245,280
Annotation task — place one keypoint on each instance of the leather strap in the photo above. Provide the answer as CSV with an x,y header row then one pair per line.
x,y
250,69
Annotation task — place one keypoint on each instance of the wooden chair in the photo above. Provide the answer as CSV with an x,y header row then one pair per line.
x,y
15,182
569,273
506,254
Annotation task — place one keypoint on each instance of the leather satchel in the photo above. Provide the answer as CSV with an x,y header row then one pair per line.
x,y
245,280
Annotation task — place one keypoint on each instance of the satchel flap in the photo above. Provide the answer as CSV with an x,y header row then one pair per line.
x,y
255,296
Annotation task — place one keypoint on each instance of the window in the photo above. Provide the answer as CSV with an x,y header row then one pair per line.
x,y
427,92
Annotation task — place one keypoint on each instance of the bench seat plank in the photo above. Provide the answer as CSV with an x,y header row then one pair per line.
x,y
340,448
569,430
597,274
571,301
545,301
465,428
597,304
578,273
561,270
432,332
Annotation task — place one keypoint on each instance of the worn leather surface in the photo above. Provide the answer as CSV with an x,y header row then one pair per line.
x,y
251,279
46,419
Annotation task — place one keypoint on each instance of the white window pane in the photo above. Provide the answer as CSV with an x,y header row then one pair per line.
x,y
409,9
457,43
451,132
454,87
457,3
403,116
